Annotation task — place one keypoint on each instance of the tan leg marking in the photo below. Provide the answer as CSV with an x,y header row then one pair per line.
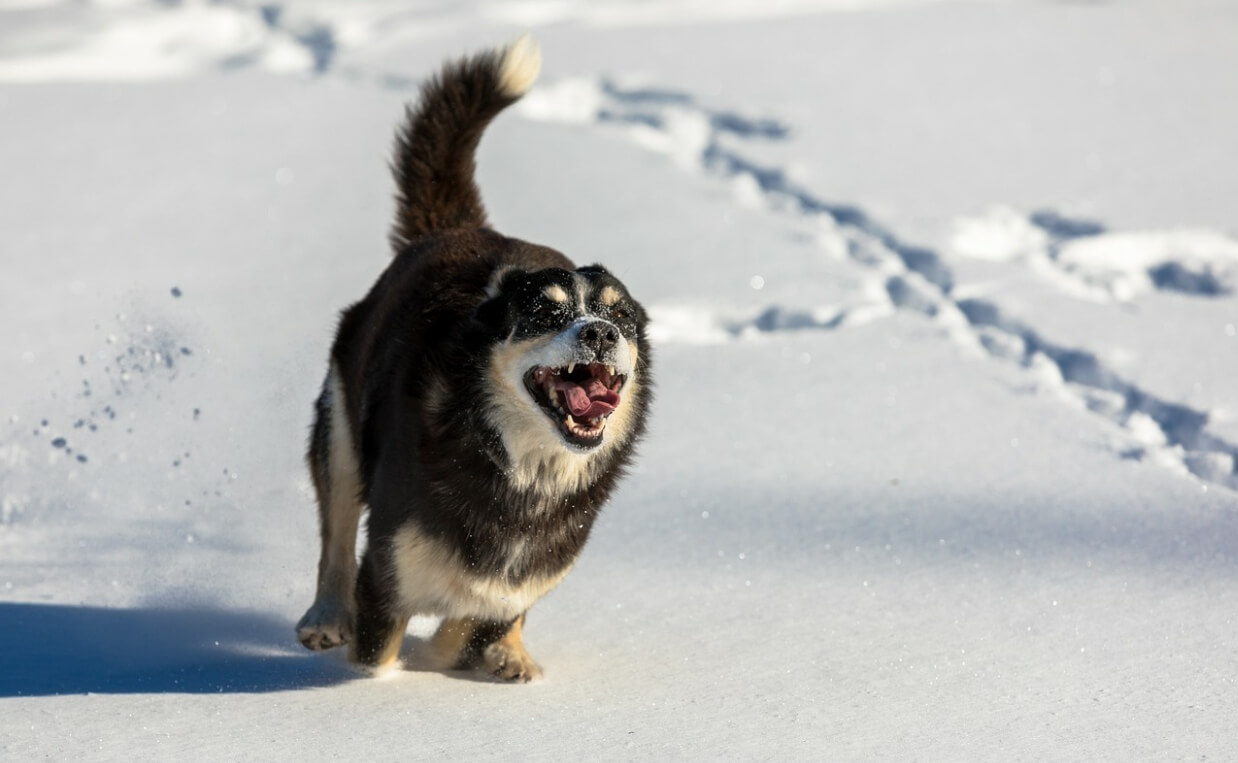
x,y
449,642
508,660
505,659
390,650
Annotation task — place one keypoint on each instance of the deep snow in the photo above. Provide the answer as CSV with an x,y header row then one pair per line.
x,y
942,461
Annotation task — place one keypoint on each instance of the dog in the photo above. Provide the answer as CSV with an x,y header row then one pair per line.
x,y
482,401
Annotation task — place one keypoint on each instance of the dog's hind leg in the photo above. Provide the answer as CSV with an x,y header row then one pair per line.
x,y
495,646
335,470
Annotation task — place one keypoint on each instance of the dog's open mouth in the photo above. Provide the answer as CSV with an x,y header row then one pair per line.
x,y
577,397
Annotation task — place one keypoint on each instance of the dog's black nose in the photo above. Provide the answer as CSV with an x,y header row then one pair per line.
x,y
599,337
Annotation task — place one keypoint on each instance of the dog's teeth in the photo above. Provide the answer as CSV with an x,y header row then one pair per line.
x,y
571,367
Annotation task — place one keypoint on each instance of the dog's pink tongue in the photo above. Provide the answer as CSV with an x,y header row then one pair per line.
x,y
589,400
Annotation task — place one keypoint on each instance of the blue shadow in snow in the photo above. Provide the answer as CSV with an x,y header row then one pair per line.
x,y
722,121
318,40
1174,276
1063,228
57,649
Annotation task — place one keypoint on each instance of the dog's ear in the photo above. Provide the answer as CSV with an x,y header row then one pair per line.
x,y
492,313
500,278
592,270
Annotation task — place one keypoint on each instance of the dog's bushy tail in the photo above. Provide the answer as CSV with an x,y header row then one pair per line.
x,y
434,149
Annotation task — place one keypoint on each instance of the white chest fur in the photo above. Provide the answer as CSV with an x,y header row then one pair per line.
x,y
432,580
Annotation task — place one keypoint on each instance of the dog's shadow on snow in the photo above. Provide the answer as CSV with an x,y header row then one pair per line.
x,y
58,649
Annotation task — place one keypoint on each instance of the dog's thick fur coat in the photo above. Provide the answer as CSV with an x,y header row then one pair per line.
x,y
482,401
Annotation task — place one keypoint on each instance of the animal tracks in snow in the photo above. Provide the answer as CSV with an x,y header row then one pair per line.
x,y
1087,261
1161,431
1081,258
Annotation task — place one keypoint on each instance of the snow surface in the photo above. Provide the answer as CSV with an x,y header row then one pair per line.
x,y
942,464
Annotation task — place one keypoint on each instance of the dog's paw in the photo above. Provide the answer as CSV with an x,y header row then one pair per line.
x,y
326,625
510,663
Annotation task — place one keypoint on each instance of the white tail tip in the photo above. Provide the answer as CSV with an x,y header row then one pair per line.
x,y
522,62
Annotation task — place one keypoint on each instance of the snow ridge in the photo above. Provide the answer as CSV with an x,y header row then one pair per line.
x,y
160,40
1085,260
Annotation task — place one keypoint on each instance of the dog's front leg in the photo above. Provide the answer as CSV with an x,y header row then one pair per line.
x,y
380,625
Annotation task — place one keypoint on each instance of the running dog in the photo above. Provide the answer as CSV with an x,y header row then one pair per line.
x,y
482,401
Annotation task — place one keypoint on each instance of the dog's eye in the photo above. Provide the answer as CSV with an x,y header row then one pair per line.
x,y
547,312
620,314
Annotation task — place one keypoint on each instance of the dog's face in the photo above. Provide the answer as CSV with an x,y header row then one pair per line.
x,y
565,361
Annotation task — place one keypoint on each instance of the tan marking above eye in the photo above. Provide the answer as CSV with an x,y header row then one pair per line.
x,y
609,296
555,293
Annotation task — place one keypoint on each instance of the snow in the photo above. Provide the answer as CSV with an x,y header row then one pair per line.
x,y
942,462
1092,263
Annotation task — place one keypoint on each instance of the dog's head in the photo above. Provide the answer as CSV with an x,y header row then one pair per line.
x,y
566,365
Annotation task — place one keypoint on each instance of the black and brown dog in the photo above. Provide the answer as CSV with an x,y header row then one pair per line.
x,y
482,401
